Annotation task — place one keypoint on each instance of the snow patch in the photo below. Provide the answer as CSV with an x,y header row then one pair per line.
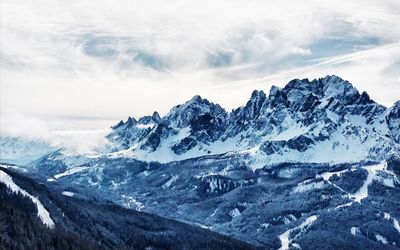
x,y
170,181
145,126
67,193
332,116
294,130
388,181
355,230
285,237
327,175
307,185
265,225
252,151
396,224
344,205
235,213
203,226
14,167
214,213
131,203
70,172
381,239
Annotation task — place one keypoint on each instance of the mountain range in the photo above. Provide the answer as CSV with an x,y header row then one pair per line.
x,y
315,164
306,121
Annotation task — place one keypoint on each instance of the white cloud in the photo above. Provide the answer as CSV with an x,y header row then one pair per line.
x,y
300,51
73,138
107,59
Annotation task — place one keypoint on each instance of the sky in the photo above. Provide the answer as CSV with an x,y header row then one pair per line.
x,y
76,66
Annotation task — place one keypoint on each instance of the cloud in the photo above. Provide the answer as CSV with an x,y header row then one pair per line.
x,y
111,60
300,51
72,138
182,33
28,127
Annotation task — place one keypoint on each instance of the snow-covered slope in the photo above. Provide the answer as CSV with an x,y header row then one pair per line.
x,y
42,213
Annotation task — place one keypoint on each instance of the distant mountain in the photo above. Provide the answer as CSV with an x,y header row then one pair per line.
x,y
17,150
313,165
36,217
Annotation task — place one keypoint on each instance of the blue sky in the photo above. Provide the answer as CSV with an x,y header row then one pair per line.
x,y
77,65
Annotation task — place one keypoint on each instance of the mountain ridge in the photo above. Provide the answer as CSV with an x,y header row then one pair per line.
x,y
199,127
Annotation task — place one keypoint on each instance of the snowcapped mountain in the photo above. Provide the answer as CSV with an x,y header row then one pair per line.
x,y
324,120
17,150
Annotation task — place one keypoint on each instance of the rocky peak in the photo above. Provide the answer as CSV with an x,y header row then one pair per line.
x,y
301,84
364,99
396,106
118,125
197,99
277,97
153,119
297,90
130,122
156,117
257,95
255,104
334,86
182,115
393,121
273,91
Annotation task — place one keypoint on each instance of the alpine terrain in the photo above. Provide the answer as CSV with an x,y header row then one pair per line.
x,y
313,165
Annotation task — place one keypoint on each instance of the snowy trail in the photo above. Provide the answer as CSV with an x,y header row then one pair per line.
x,y
70,172
43,214
362,193
311,184
285,237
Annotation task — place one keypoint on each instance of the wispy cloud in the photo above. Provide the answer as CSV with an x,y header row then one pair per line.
x,y
114,59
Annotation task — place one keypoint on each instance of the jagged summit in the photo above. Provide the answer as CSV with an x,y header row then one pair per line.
x,y
153,119
327,87
182,115
393,121
196,101
295,91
